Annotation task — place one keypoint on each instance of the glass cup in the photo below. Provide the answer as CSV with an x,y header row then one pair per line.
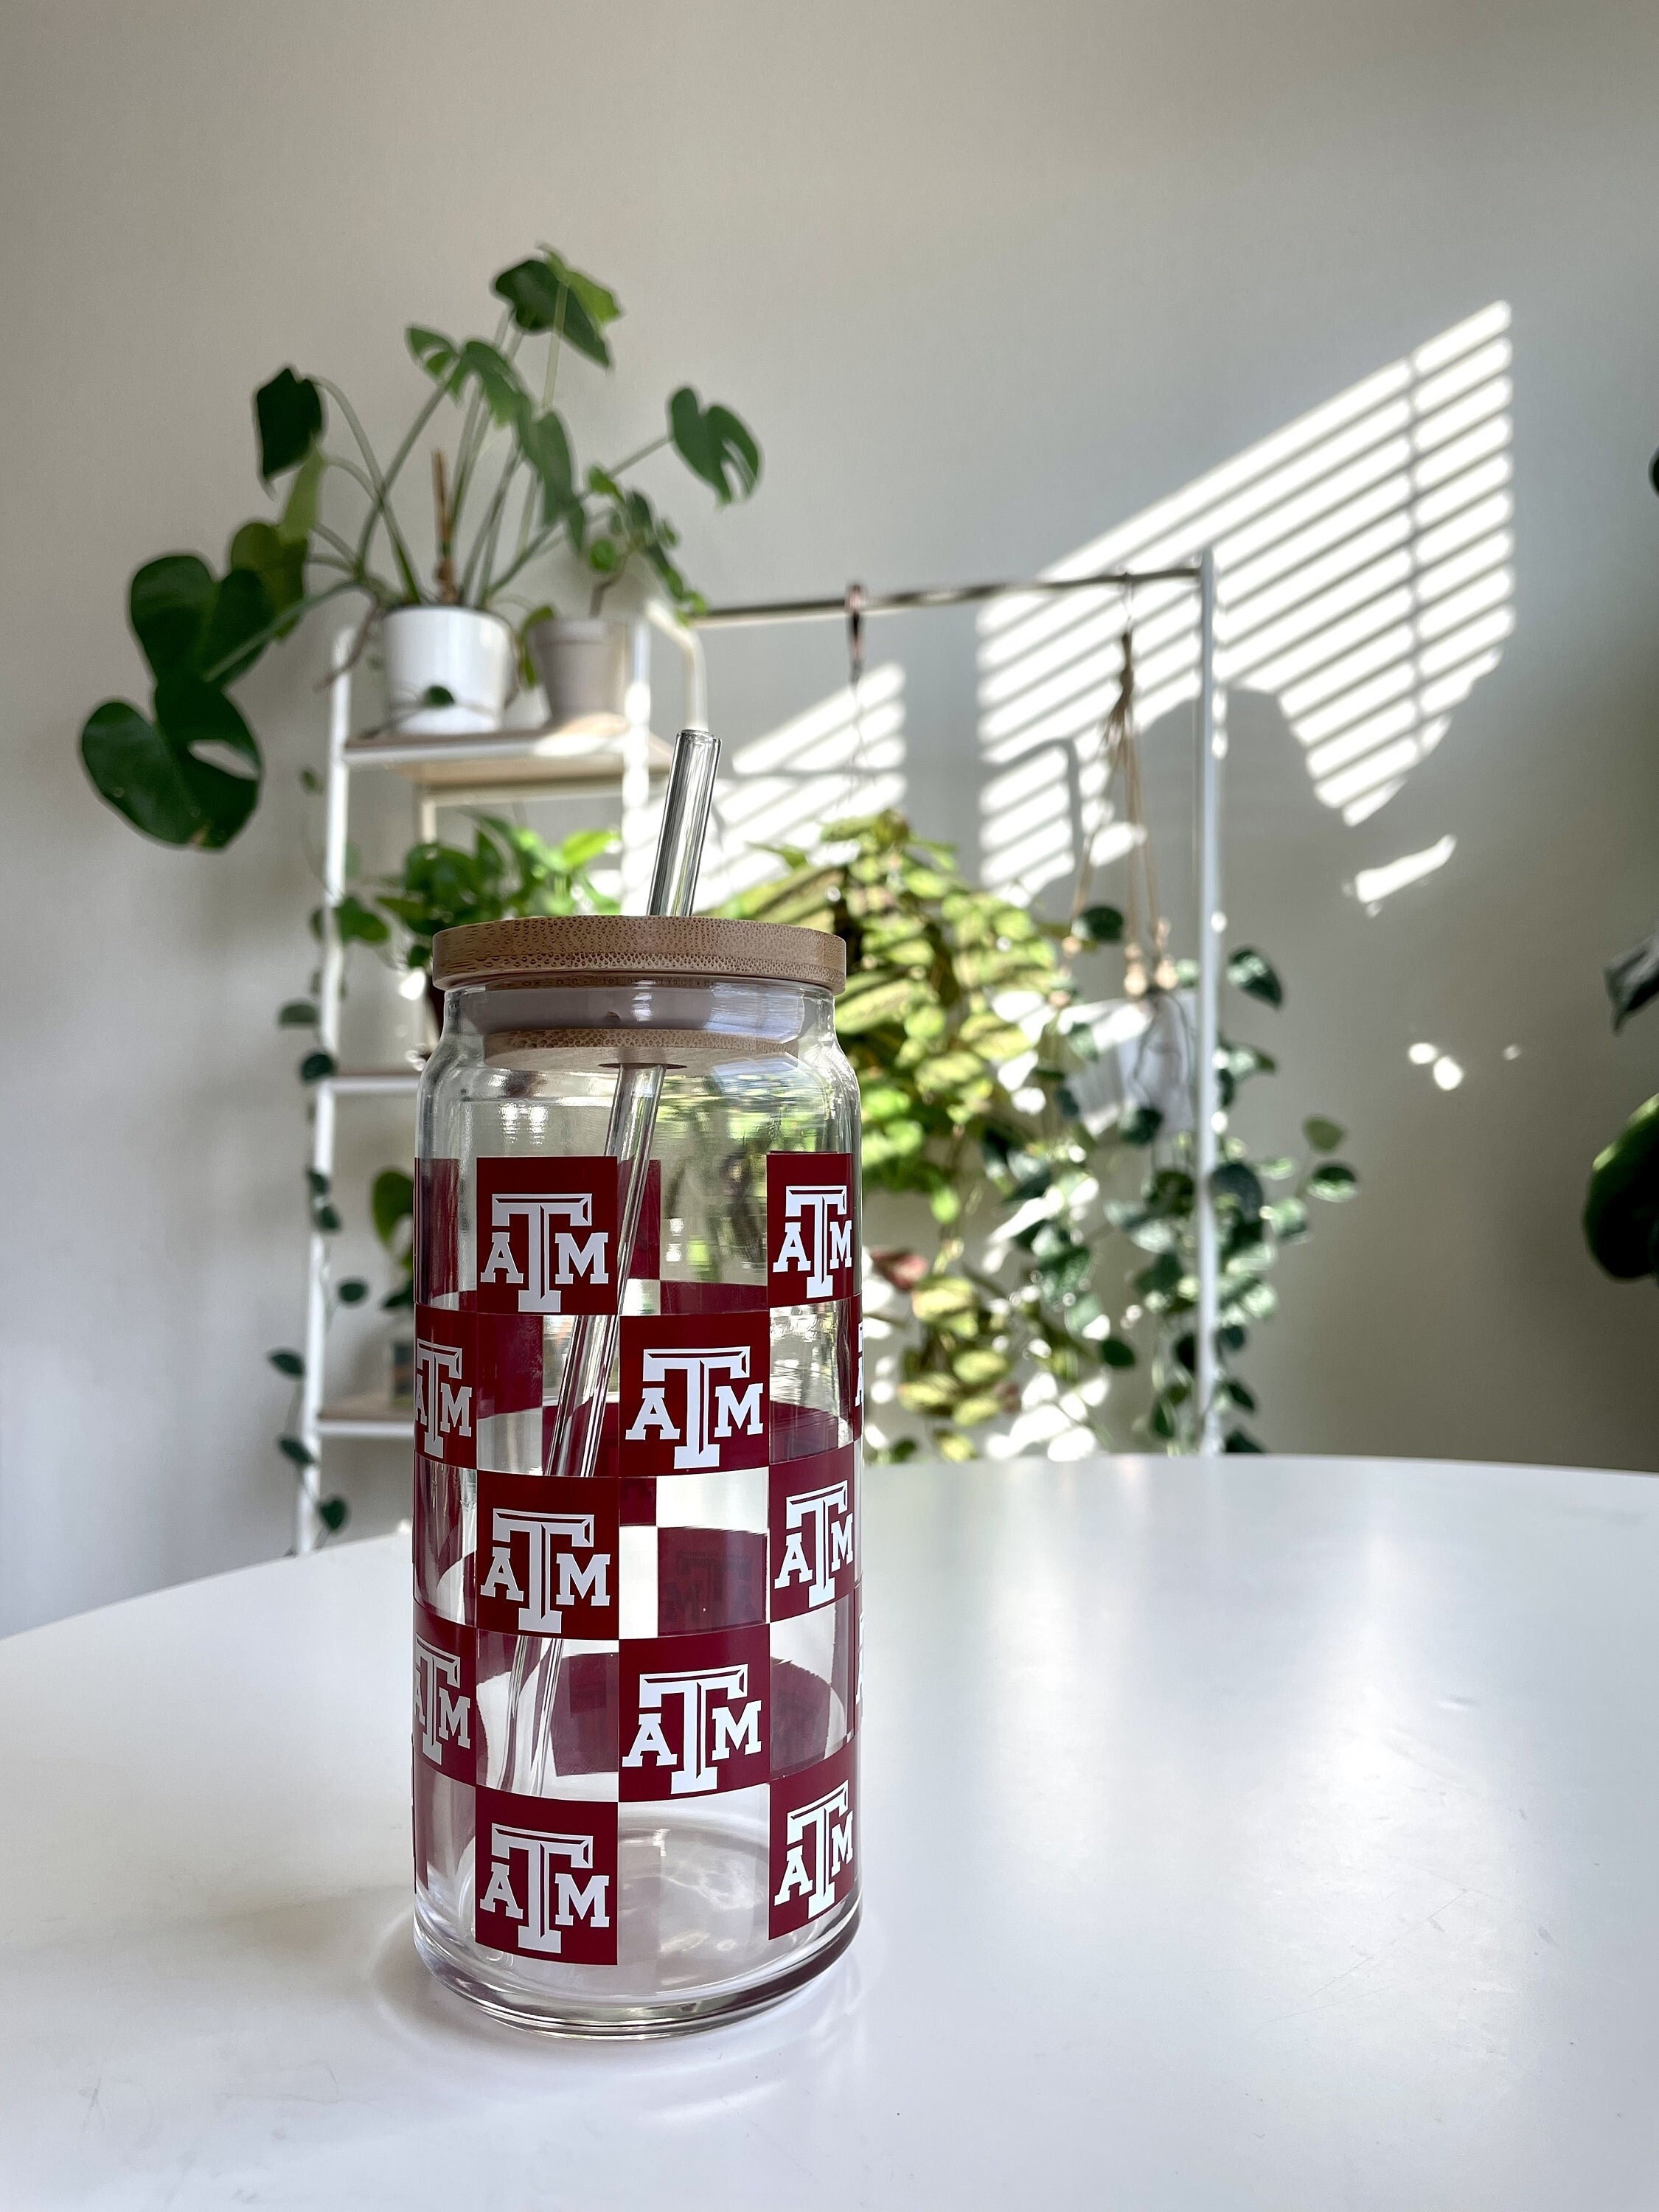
x,y
636,1688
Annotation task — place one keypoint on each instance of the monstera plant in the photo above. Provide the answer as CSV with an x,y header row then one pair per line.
x,y
512,509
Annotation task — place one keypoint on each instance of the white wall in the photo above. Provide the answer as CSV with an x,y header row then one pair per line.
x,y
988,280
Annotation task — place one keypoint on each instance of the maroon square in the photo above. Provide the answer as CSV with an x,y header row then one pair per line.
x,y
547,1555
585,1713
801,1432
445,1696
814,1863
469,1367
709,1579
638,1501
811,1228
811,1520
436,1228
546,1878
679,1298
694,1713
694,1392
547,1234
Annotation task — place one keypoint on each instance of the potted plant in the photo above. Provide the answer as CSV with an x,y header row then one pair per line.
x,y
513,517
509,872
391,1209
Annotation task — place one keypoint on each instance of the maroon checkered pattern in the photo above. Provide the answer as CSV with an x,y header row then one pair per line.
x,y
683,1625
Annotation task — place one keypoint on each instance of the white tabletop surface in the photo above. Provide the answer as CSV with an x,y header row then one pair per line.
x,y
1257,1834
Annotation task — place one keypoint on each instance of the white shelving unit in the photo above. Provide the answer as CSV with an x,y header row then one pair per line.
x,y
443,772
531,761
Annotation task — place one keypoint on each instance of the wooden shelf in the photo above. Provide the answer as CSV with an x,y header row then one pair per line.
x,y
527,759
372,1082
369,1417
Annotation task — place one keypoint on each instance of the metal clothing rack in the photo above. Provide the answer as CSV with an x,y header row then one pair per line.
x,y
450,772
1199,574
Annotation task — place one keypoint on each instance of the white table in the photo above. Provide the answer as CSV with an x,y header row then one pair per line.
x,y
1257,1834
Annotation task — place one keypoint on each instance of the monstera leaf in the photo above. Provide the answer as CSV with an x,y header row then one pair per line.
x,y
476,362
288,411
189,773
152,773
547,295
545,444
715,445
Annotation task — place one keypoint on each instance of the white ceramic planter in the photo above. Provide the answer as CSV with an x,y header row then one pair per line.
x,y
1148,1053
471,655
583,665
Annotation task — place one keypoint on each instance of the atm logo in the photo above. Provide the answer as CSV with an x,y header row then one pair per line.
x,y
695,1392
695,1714
443,1403
546,1878
470,1367
547,1555
547,1236
446,1698
814,1863
812,1532
810,1224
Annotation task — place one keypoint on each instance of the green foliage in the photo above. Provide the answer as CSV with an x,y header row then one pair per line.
x,y
189,771
289,412
391,1209
1098,925
1621,1205
959,1020
548,297
1248,972
509,872
933,963
715,445
1632,980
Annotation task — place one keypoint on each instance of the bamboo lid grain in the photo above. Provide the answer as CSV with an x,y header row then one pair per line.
x,y
574,950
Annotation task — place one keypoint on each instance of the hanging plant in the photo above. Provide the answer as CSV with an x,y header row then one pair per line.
x,y
973,1056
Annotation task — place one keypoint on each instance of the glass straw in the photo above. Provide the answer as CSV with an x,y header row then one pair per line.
x,y
584,1381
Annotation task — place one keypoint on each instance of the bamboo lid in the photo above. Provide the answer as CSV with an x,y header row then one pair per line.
x,y
606,948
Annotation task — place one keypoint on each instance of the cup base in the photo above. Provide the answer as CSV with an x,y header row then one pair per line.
x,y
566,2015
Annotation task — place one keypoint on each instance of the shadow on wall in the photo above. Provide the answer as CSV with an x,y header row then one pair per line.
x,y
1364,580
844,756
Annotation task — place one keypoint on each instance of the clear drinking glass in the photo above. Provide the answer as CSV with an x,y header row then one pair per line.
x,y
637,1692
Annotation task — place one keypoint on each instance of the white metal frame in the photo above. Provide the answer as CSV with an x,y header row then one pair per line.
x,y
1207,1120
552,766
630,768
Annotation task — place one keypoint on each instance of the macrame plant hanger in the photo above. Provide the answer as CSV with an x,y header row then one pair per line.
x,y
1146,962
